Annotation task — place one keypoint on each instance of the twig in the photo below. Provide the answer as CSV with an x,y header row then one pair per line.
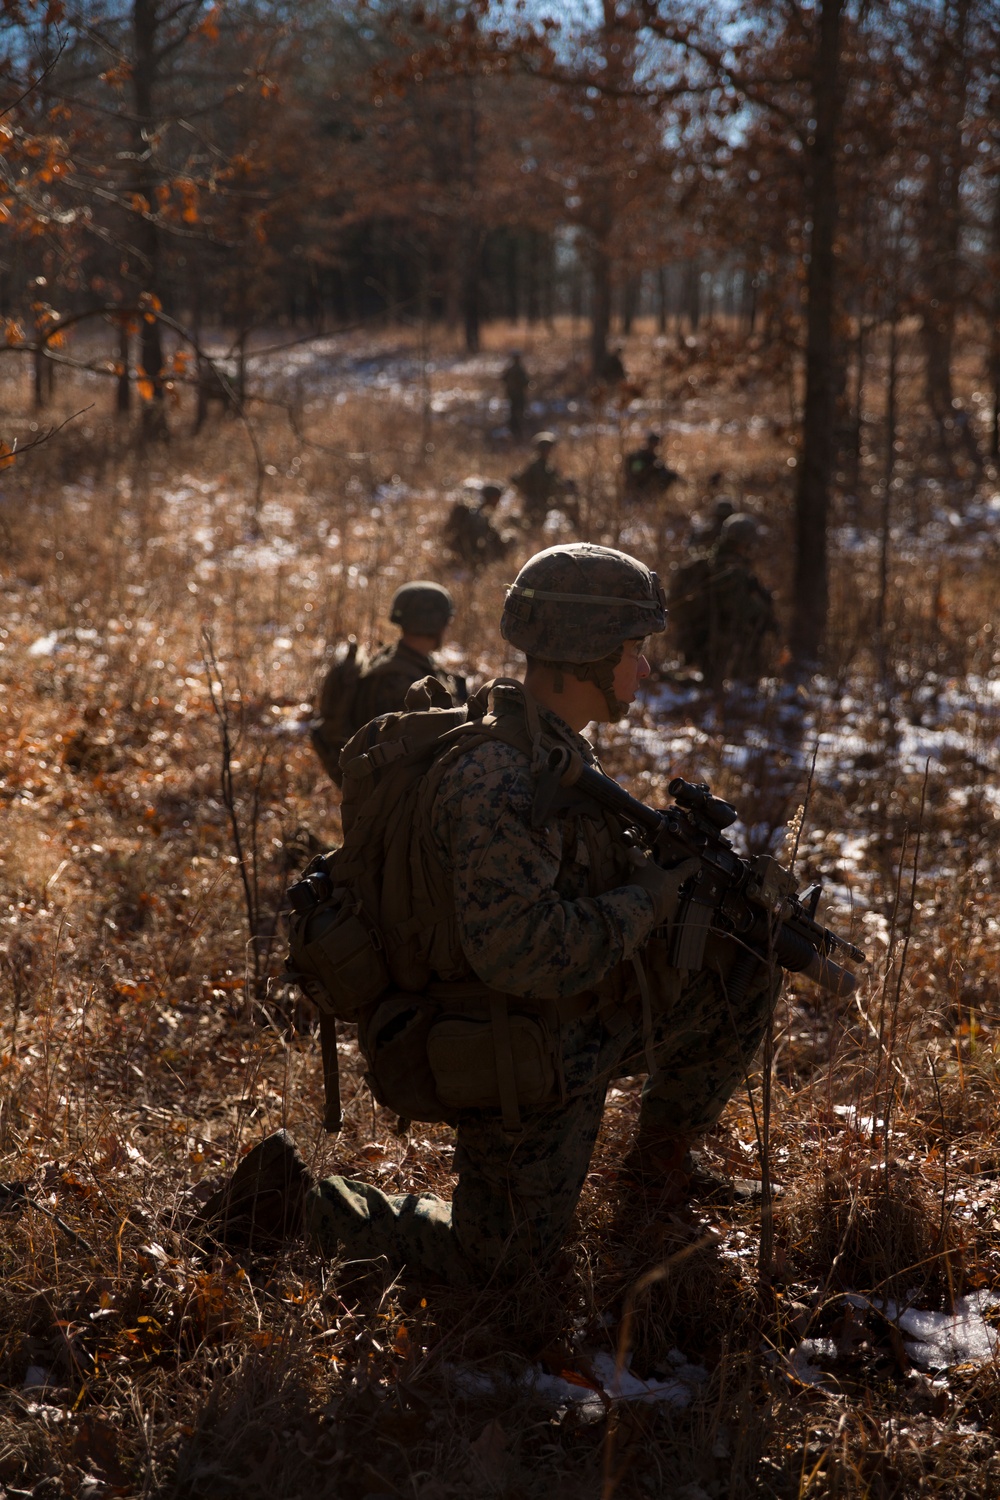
x,y
216,691
944,1185
897,999
43,437
658,1273
15,1193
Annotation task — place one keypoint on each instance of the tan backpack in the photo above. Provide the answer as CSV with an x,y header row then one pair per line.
x,y
363,916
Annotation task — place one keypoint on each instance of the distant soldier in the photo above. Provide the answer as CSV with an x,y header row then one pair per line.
x,y
722,615
645,472
470,532
356,689
707,528
611,368
540,484
515,383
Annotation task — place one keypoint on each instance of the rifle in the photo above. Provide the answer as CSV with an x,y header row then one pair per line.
x,y
752,901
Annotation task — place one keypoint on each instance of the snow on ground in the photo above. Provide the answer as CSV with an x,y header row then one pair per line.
x,y
590,1398
936,1341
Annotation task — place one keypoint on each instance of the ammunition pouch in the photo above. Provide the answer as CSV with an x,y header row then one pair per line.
x,y
393,1042
336,954
460,1047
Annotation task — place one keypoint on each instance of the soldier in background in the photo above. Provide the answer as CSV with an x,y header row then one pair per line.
x,y
356,689
470,532
721,613
612,367
707,528
540,484
645,472
515,383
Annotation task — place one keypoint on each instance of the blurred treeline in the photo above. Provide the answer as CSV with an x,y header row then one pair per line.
x,y
328,163
825,174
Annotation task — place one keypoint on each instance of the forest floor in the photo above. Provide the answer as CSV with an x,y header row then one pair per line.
x,y
146,1042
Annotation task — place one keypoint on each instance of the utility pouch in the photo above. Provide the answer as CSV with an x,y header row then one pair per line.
x,y
393,1041
337,955
496,1061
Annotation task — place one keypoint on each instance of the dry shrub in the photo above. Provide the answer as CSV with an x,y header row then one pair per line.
x,y
871,1226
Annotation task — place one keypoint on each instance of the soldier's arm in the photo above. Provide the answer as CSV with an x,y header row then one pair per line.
x,y
517,932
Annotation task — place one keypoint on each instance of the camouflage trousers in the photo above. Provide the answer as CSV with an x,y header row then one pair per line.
x,y
515,1195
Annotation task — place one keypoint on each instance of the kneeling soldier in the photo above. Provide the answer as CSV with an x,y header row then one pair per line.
x,y
551,974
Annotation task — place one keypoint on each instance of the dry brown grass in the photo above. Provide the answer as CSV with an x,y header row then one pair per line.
x,y
137,1059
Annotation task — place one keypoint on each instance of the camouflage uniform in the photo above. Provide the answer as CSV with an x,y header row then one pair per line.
x,y
723,614
645,472
546,910
611,367
388,676
515,383
470,535
381,688
540,484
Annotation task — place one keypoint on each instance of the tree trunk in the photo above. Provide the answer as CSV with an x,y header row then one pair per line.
x,y
943,225
692,294
661,300
811,588
144,27
123,393
600,308
631,296
888,474
995,328
471,288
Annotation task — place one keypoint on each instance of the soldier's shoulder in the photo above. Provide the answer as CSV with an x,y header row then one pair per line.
x,y
378,659
398,661
488,772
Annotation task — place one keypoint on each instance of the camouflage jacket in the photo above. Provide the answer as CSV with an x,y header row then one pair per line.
x,y
540,486
390,673
470,534
541,912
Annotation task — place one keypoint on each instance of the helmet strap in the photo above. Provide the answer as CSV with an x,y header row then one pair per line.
x,y
601,673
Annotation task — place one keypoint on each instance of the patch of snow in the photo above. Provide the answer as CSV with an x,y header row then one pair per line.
x,y
800,1361
942,1339
939,1340
46,645
675,1389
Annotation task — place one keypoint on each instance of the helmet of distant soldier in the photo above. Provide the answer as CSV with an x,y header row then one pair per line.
x,y
421,608
723,508
544,440
739,530
490,493
573,607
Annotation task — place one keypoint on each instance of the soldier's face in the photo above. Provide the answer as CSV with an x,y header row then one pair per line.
x,y
630,671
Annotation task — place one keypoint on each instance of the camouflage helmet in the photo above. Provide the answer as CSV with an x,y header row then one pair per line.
x,y
421,608
580,603
544,440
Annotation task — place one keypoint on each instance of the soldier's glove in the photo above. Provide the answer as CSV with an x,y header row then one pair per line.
x,y
662,886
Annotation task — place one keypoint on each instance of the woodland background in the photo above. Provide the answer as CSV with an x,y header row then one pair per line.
x,y
265,266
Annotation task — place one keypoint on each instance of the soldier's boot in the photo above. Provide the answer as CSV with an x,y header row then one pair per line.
x,y
660,1165
262,1203
668,1172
